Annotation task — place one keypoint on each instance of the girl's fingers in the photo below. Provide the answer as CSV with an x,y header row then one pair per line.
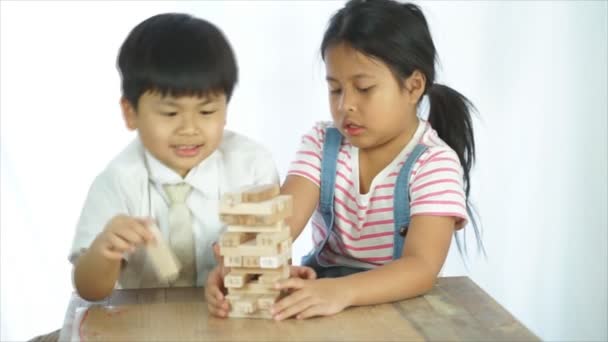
x,y
291,283
312,311
294,309
287,302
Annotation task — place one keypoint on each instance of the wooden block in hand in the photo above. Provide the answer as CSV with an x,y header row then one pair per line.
x,y
165,263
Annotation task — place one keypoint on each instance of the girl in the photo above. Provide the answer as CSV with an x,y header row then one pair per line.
x,y
377,173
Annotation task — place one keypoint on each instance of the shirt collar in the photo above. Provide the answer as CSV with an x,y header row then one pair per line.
x,y
203,177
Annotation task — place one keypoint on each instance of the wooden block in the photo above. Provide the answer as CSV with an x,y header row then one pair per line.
x,y
265,302
165,263
251,261
268,207
250,248
233,261
233,239
274,261
248,306
272,238
252,193
245,305
285,246
236,279
269,279
260,314
255,287
282,271
258,220
274,228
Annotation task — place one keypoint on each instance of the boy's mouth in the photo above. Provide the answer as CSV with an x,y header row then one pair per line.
x,y
186,150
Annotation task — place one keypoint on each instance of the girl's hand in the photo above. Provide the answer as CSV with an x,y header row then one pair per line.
x,y
316,297
214,288
302,272
123,234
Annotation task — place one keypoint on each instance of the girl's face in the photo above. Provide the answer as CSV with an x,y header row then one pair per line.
x,y
368,105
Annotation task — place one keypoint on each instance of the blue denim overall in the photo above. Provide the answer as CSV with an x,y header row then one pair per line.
x,y
401,207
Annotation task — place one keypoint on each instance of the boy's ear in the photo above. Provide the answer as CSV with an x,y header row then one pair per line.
x,y
415,85
128,114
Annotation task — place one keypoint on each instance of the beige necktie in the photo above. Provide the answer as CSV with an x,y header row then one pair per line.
x,y
181,237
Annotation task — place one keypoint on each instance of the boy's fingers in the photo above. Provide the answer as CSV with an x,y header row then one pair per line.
x,y
130,236
117,244
140,226
112,255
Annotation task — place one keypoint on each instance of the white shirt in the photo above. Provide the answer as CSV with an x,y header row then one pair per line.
x,y
132,185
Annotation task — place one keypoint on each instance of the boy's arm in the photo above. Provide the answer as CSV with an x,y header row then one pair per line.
x,y
94,276
305,196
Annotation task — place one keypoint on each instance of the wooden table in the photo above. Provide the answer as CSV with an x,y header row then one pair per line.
x,y
456,309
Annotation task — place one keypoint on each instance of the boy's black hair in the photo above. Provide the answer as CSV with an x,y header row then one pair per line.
x,y
176,54
398,35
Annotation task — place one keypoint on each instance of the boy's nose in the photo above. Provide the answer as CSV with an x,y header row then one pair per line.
x,y
188,125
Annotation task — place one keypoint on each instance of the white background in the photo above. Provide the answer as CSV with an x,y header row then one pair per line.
x,y
535,70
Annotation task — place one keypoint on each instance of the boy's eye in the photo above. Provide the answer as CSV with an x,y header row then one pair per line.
x,y
169,113
335,91
207,112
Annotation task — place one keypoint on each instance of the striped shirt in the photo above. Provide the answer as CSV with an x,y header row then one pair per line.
x,y
364,225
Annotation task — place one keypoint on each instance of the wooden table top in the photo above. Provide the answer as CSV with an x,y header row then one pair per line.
x,y
456,309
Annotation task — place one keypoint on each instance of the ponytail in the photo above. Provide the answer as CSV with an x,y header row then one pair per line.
x,y
450,116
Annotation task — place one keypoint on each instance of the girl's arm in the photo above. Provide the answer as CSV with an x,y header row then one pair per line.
x,y
305,196
426,247
424,252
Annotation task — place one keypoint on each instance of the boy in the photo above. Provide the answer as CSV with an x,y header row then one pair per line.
x,y
178,73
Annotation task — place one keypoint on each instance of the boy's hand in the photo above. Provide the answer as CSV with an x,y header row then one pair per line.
x,y
123,234
214,288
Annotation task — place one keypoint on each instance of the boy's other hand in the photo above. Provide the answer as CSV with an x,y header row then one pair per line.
x,y
123,234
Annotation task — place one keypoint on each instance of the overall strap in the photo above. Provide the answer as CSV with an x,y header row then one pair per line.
x,y
329,161
401,205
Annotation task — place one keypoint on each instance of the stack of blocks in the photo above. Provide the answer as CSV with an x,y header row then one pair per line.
x,y
256,248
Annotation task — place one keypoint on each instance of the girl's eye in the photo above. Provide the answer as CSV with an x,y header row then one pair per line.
x,y
365,90
169,113
335,91
207,112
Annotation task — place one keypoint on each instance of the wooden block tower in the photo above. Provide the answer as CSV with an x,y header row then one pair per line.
x,y
256,248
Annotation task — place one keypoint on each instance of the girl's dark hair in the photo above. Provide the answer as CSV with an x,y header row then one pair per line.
x,y
398,34
176,54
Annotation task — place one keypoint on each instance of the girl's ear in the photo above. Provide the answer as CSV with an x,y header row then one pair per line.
x,y
128,114
414,86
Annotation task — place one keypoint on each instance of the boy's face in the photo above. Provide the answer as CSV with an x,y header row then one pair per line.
x,y
178,131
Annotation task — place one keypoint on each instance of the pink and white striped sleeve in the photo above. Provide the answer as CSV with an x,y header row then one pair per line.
x,y
437,187
307,163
